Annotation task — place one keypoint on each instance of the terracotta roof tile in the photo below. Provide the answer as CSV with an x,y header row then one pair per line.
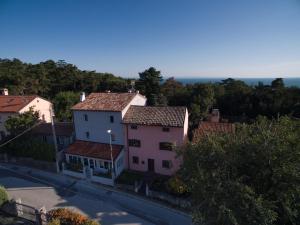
x,y
156,116
11,103
206,127
105,102
93,150
61,129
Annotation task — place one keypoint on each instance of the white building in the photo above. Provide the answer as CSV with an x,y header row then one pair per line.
x,y
93,117
12,105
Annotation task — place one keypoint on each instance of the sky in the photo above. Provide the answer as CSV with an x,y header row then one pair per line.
x,y
186,38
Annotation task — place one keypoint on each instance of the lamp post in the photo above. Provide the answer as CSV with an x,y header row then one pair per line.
x,y
111,158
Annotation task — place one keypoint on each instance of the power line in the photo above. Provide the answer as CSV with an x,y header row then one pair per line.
x,y
25,131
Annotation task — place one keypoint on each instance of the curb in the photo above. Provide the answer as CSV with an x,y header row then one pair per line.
x,y
83,185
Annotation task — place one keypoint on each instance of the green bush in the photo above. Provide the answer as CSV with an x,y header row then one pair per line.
x,y
3,196
54,222
176,186
29,146
129,177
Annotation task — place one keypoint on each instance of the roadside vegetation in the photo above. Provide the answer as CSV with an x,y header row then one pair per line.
x,y
64,216
249,177
26,145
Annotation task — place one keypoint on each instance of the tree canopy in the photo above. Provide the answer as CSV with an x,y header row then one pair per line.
x,y
60,82
249,177
18,123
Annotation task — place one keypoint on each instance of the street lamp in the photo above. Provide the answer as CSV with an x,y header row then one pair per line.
x,y
111,157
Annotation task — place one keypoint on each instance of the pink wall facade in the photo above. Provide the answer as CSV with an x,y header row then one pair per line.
x,y
150,137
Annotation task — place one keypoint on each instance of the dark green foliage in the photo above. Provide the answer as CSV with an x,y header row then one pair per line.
x,y
129,177
250,177
63,102
149,85
17,124
61,82
3,196
28,146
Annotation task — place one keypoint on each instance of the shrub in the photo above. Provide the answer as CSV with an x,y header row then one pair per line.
x,y
69,217
176,186
129,177
54,222
3,196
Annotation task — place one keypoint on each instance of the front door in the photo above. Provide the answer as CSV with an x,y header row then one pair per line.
x,y
151,165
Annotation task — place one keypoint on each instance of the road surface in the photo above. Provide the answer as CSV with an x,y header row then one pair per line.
x,y
106,206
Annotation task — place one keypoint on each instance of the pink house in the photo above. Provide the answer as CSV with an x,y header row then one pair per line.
x,y
152,134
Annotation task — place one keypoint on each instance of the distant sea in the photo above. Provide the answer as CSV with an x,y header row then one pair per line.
x,y
289,82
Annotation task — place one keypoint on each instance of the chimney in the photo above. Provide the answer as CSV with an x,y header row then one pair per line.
x,y
215,116
4,91
82,96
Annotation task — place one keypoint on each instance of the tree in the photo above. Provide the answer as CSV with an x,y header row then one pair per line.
x,y
249,177
19,123
149,84
202,98
63,102
277,83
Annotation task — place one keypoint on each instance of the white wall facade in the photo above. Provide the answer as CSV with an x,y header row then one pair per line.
x,y
41,105
98,122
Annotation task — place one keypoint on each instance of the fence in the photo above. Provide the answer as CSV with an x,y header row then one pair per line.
x,y
32,215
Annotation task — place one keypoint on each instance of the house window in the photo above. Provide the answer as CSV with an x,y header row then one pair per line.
x,y
111,119
133,127
166,146
166,129
87,135
101,163
86,118
106,165
134,143
44,138
166,164
85,161
135,160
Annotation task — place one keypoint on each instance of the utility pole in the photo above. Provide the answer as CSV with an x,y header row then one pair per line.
x,y
54,138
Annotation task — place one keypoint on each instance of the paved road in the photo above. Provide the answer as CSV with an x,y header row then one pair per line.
x,y
105,206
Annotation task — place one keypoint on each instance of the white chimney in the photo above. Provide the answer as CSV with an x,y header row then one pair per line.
x,y
82,96
4,91
215,116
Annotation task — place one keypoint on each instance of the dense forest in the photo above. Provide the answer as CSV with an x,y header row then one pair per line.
x,y
62,82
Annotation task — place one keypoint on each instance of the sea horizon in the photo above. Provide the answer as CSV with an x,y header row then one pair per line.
x,y
288,81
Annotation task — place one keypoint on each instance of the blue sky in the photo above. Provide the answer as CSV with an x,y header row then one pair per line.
x,y
201,38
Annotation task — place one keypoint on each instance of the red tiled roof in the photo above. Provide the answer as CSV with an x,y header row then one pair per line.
x,y
93,150
156,115
10,103
105,102
61,129
211,127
